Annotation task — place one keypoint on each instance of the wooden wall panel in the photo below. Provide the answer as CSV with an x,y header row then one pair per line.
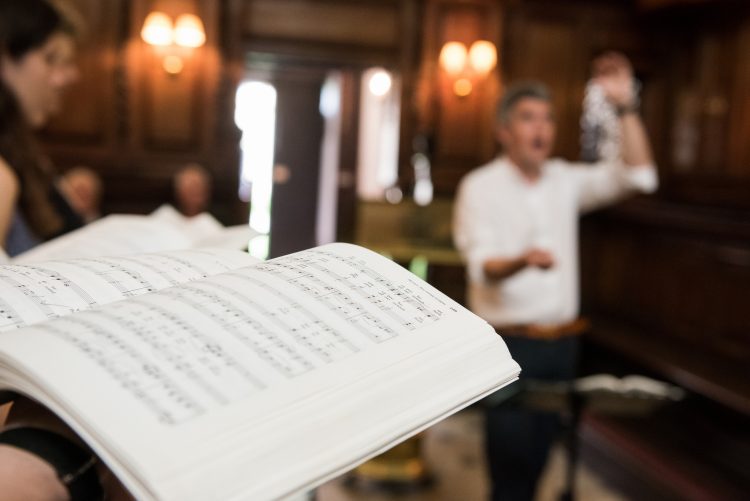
x,y
172,112
700,298
667,286
739,126
458,125
367,23
461,128
327,32
706,157
88,118
547,57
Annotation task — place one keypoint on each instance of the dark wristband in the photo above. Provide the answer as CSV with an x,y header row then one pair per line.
x,y
75,466
7,396
627,109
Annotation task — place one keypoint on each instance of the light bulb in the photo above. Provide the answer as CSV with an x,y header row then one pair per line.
x,y
483,56
157,29
189,31
453,57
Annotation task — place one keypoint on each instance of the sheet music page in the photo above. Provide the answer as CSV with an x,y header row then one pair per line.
x,y
115,235
202,225
205,231
234,363
230,237
167,213
120,234
195,228
35,292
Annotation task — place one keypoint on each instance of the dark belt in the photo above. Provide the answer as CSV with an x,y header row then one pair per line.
x,y
548,332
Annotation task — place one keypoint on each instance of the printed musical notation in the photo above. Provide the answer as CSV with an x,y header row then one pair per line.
x,y
351,289
147,382
174,369
182,351
136,275
332,296
186,266
293,319
253,333
41,292
9,317
33,293
125,279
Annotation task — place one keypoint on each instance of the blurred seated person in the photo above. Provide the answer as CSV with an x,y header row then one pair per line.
x,y
82,188
37,50
192,190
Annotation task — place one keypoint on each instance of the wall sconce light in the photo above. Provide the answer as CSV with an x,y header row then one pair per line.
x,y
467,66
186,33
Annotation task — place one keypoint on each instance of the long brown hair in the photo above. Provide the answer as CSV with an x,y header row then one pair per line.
x,y
24,26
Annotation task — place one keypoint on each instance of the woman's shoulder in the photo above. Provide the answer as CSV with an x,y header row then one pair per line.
x,y
8,178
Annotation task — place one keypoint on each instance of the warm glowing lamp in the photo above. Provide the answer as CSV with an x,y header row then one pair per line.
x,y
483,56
453,57
157,30
189,32
467,66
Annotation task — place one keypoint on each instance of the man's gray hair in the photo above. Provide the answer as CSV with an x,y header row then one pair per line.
x,y
516,92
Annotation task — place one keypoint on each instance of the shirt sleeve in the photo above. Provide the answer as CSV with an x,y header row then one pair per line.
x,y
473,235
603,183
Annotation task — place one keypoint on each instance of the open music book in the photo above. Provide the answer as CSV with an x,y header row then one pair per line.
x,y
204,374
120,234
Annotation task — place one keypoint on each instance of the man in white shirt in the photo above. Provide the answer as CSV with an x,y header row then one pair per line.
x,y
516,225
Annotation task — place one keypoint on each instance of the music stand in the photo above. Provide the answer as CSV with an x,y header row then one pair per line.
x,y
601,393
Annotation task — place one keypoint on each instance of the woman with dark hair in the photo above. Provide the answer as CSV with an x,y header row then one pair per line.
x,y
37,50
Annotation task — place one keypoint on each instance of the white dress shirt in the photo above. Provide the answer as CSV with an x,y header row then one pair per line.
x,y
500,213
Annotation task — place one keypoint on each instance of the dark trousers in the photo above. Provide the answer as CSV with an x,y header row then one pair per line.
x,y
518,440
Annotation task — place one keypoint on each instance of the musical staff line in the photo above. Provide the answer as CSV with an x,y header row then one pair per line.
x,y
9,317
334,299
146,382
262,341
311,328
